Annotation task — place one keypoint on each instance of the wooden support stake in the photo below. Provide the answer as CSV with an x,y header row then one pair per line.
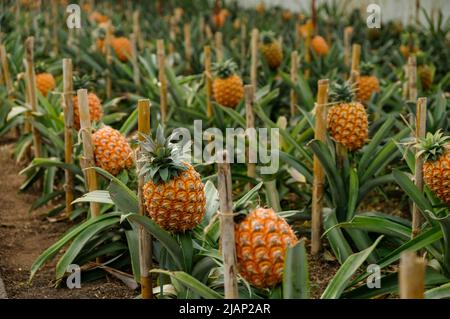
x,y
417,12
88,162
5,70
294,78
187,46
208,80
243,45
68,131
314,14
134,60
356,57
55,26
201,27
219,46
250,121
162,78
145,239
347,45
137,30
32,91
109,60
227,228
411,276
307,71
412,79
421,128
319,176
254,59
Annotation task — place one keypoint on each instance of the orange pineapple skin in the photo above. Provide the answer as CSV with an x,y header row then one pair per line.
x,y
122,47
348,125
98,17
319,45
179,204
436,174
273,54
262,239
426,77
111,150
367,84
405,50
95,109
286,15
45,82
228,91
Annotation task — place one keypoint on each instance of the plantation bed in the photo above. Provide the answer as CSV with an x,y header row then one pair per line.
x,y
24,235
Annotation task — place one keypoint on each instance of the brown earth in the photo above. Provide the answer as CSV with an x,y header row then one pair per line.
x,y
24,235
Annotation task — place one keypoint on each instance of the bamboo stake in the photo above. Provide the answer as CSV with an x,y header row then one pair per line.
x,y
421,123
201,27
5,70
68,131
412,79
250,122
254,58
134,60
417,11
137,30
347,44
32,92
87,161
219,46
319,176
356,57
411,276
294,78
314,14
208,80
172,35
187,46
108,60
145,239
307,71
56,26
227,228
296,35
162,79
243,47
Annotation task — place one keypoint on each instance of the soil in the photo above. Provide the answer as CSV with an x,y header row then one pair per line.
x,y
24,235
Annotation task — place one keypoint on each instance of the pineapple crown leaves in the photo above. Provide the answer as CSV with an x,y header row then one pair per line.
x,y
224,69
40,67
161,159
432,146
82,82
342,91
366,68
267,37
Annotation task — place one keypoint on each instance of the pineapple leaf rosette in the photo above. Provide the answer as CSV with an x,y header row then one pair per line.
x,y
173,191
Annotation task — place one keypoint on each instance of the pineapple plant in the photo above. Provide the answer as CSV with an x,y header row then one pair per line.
x,y
262,239
94,103
100,40
271,49
319,45
347,119
112,151
45,82
367,83
286,15
409,44
173,192
435,151
98,17
228,88
425,71
121,46
305,29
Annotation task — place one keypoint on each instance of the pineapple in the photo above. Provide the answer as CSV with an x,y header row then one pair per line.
x,y
347,120
409,44
435,150
262,239
94,103
286,15
367,83
319,45
122,47
98,17
112,150
174,194
271,49
45,82
425,71
228,88
306,29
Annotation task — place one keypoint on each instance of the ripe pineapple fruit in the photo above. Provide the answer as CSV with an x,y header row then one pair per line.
x,y
367,83
121,46
409,44
98,17
228,88
45,82
262,239
112,151
94,103
271,49
319,45
347,120
425,71
435,150
174,193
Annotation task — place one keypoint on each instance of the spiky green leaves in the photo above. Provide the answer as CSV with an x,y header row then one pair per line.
x,y
224,69
342,92
40,67
161,159
432,146
366,68
83,82
267,37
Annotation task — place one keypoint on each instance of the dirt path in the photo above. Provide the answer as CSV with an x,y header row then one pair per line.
x,y
24,235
